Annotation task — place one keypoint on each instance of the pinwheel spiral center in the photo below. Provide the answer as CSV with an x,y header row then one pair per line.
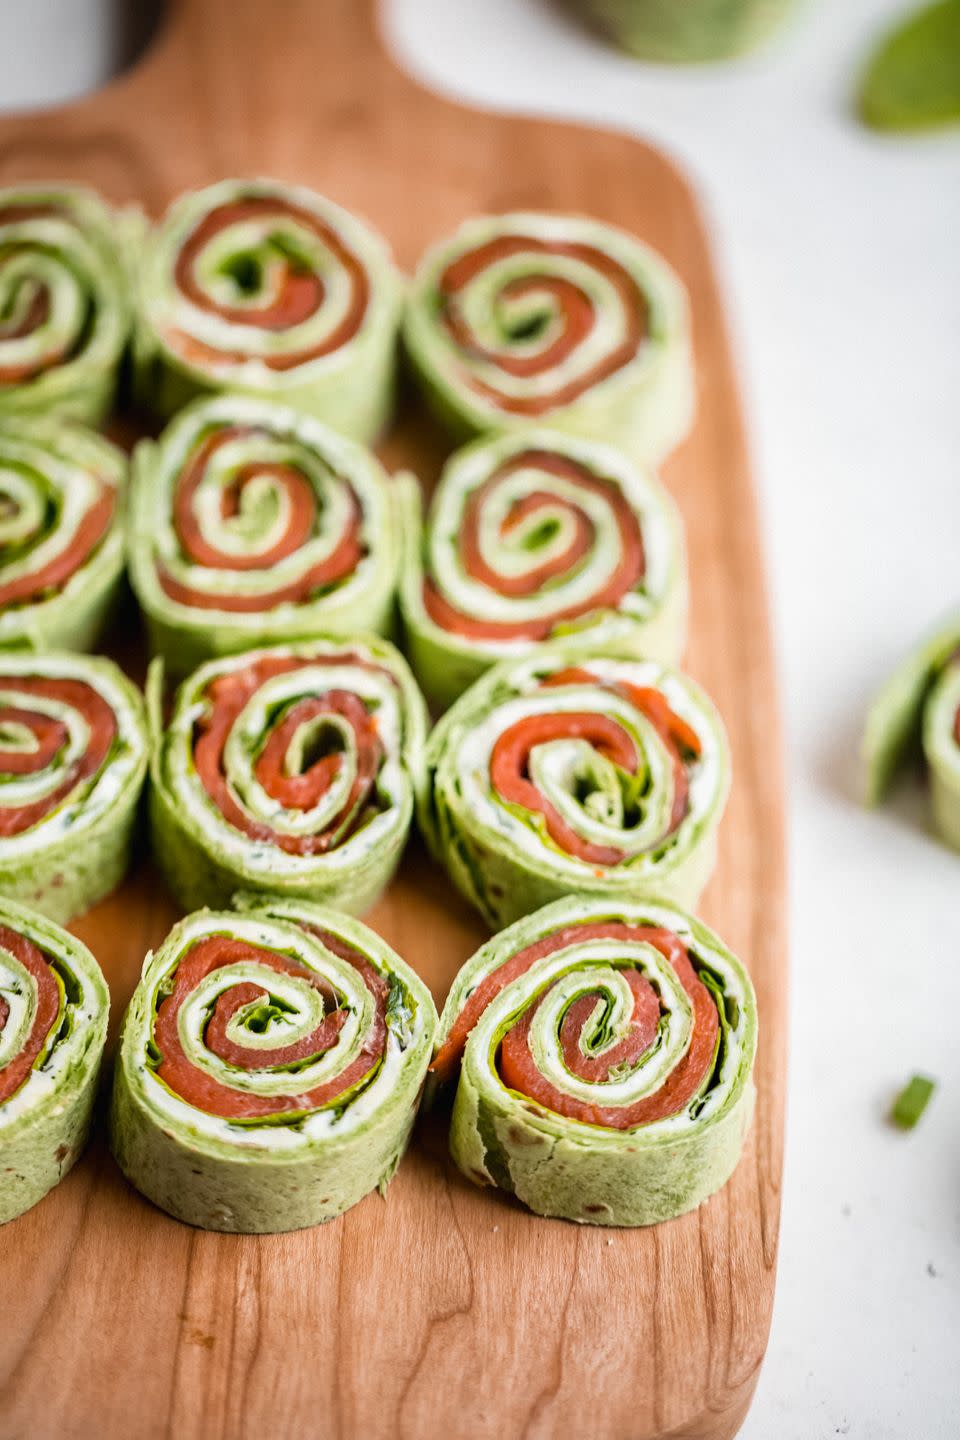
x,y
24,302
57,734
261,278
316,740
541,540
247,1032
32,997
28,509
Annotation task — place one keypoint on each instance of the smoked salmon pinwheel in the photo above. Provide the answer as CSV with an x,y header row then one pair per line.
x,y
573,771
73,757
537,318
62,495
252,524
532,535
917,714
271,1066
289,770
255,286
694,31
602,1055
53,1024
65,304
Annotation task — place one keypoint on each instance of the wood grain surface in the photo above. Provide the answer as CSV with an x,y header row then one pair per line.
x,y
443,1311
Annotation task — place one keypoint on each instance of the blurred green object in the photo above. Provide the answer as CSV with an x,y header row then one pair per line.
x,y
913,80
684,30
912,1101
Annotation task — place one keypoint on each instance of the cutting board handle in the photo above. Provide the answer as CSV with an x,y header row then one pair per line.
x,y
254,67
246,35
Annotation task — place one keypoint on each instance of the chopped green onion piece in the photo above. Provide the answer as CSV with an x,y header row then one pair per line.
x,y
912,1101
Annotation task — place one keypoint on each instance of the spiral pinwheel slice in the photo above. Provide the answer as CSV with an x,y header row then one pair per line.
x,y
603,1055
62,493
289,770
257,286
536,318
530,536
53,1024
918,710
73,757
574,771
65,305
250,524
270,1068
696,30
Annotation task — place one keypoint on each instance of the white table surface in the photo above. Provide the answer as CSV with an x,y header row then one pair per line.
x,y
841,257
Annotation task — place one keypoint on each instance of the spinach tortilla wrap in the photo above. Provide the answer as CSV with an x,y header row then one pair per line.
x,y
62,497
289,770
73,757
918,712
270,1067
602,1056
533,535
574,771
252,524
535,318
269,289
65,303
53,1024
684,30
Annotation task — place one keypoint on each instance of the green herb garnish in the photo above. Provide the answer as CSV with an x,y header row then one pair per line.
x,y
912,1101
912,81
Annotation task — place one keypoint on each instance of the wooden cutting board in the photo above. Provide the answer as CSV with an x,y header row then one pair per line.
x,y
444,1311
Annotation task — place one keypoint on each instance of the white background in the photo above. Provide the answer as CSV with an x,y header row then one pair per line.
x,y
840,253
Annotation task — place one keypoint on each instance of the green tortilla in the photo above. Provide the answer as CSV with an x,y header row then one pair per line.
x,y
916,713
78,850
288,1167
500,851
253,455
525,500
208,271
44,1122
67,305
55,479
508,346
567,1166
684,31
205,855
